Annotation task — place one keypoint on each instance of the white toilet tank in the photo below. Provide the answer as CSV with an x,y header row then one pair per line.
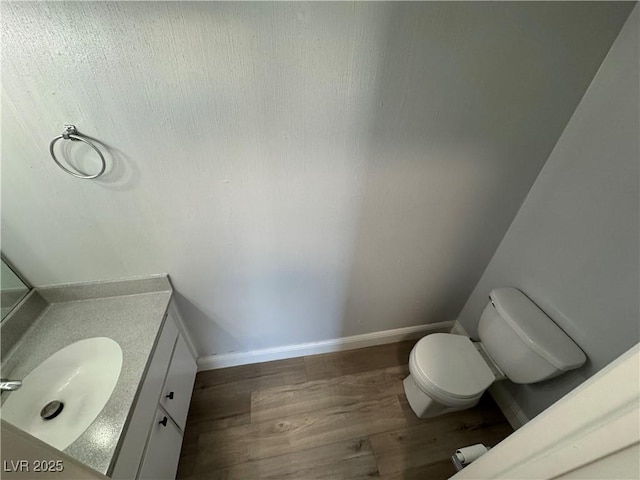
x,y
523,341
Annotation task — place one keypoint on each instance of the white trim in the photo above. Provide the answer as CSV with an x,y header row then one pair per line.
x,y
175,314
211,362
508,405
458,329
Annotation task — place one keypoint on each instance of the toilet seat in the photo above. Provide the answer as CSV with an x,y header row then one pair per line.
x,y
449,368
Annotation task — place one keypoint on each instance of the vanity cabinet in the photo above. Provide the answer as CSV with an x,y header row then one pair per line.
x,y
151,446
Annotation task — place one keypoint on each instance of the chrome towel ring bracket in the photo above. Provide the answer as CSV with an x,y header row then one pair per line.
x,y
71,133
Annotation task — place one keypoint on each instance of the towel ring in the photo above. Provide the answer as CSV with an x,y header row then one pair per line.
x,y
71,133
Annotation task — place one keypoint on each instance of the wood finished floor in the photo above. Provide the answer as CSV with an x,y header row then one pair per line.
x,y
339,415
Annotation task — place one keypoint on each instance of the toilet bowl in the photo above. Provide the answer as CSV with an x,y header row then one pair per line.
x,y
447,373
518,341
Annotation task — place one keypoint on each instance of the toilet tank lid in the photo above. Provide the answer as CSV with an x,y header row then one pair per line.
x,y
536,329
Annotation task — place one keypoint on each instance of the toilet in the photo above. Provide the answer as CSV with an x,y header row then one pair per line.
x,y
518,341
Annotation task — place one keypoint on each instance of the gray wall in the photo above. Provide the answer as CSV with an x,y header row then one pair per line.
x,y
302,171
574,245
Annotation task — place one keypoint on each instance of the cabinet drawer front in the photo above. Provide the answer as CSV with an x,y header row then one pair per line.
x,y
178,387
163,450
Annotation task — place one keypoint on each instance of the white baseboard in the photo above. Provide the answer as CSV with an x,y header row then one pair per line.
x,y
211,362
458,329
508,405
505,401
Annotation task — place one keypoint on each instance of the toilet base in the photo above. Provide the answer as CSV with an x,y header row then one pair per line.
x,y
423,405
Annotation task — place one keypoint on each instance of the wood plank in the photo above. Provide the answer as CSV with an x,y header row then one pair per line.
x,y
275,420
352,459
211,409
320,394
229,416
190,440
218,407
436,439
285,435
251,377
186,465
331,365
441,470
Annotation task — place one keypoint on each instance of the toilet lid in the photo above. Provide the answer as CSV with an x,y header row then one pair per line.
x,y
451,365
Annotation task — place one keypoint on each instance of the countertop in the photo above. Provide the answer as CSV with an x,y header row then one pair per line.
x,y
75,312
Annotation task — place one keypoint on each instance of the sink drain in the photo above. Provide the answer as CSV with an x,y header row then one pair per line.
x,y
51,410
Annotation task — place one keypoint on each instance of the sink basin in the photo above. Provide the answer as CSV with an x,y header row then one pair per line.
x,y
81,377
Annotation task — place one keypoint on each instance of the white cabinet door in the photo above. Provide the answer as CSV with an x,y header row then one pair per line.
x,y
163,450
178,387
